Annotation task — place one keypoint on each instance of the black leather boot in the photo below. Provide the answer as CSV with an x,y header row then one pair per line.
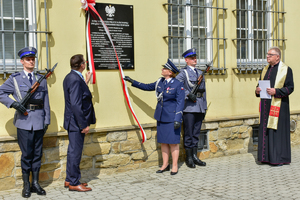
x,y
26,186
35,186
188,158
196,160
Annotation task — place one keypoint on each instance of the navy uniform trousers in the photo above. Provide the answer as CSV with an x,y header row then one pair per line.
x,y
31,145
192,123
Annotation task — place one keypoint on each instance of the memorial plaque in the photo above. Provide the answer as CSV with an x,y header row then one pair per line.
x,y
119,20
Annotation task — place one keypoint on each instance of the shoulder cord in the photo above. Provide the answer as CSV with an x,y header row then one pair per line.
x,y
158,95
17,89
188,79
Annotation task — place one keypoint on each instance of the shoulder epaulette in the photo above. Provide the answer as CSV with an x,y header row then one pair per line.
x,y
15,74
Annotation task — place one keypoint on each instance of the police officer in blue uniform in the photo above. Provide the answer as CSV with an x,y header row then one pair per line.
x,y
194,109
30,128
168,113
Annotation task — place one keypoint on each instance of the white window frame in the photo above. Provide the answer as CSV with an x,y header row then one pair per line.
x,y
187,42
250,60
10,65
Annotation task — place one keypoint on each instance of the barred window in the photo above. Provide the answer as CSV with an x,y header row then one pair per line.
x,y
18,25
260,25
203,141
190,25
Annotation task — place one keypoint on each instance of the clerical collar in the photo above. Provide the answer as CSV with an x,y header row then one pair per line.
x,y
275,65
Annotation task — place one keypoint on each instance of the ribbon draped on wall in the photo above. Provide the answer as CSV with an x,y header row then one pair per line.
x,y
88,6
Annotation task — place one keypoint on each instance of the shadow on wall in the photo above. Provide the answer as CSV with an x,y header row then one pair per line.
x,y
252,148
103,153
141,104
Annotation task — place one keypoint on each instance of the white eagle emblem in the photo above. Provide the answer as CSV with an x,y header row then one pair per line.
x,y
110,10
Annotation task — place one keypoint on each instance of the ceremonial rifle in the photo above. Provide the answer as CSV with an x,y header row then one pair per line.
x,y
35,86
200,78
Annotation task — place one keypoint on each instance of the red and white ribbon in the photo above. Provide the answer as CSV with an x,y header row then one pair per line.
x,y
88,5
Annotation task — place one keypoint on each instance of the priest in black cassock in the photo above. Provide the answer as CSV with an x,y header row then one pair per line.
x,y
274,145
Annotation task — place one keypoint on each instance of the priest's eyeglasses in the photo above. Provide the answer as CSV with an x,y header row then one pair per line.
x,y
270,54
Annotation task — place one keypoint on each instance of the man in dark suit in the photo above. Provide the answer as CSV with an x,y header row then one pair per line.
x,y
32,127
79,114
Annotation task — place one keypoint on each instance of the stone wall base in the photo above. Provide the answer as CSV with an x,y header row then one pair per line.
x,y
112,151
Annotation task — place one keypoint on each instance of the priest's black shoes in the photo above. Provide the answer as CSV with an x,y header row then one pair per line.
x,y
26,186
164,170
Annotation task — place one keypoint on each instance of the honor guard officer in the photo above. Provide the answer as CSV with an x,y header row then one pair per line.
x,y
32,127
194,108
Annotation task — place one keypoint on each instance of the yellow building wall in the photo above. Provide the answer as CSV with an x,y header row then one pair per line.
x,y
228,95
233,95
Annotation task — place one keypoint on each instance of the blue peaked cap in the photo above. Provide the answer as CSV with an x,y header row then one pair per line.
x,y
190,53
169,65
27,52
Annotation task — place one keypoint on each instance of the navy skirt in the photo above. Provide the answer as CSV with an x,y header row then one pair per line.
x,y
167,134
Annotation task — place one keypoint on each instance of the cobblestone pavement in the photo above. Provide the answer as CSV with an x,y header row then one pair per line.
x,y
231,177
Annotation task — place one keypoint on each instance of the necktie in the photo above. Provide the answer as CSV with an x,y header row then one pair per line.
x,y
196,72
30,78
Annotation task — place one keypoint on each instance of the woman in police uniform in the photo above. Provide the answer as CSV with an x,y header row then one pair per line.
x,y
168,113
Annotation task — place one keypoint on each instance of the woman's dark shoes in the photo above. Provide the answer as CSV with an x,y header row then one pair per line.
x,y
164,170
174,173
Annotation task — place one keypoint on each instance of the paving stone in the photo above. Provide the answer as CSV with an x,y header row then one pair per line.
x,y
232,177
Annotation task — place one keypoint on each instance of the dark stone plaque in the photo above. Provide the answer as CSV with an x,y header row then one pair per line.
x,y
119,20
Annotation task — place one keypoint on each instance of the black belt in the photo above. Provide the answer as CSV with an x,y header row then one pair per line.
x,y
199,94
35,106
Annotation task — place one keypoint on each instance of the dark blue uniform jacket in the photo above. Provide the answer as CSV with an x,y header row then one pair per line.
x,y
169,108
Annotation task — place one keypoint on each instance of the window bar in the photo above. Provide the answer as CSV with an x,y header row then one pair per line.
x,y
46,34
198,32
263,35
208,41
171,30
188,25
246,36
251,34
224,41
240,34
269,24
35,34
218,40
273,19
3,40
178,30
24,21
206,29
278,24
283,33
257,36
14,34
191,9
